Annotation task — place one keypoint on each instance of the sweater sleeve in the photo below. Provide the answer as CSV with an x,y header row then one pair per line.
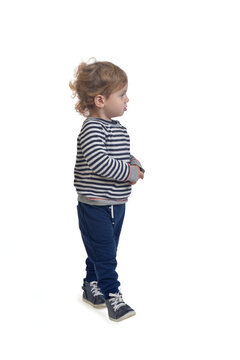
x,y
134,161
92,142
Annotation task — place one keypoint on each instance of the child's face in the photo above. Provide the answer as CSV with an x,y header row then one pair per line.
x,y
116,104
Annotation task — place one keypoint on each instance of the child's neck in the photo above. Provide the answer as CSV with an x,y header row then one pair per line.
x,y
100,116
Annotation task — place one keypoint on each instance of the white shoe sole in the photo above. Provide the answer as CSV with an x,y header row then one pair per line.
x,y
97,306
126,316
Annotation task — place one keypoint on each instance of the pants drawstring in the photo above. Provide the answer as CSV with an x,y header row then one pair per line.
x,y
112,213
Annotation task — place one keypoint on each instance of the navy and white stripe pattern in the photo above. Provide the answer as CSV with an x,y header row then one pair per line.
x,y
102,167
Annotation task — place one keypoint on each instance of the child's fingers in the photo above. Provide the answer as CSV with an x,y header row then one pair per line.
x,y
132,183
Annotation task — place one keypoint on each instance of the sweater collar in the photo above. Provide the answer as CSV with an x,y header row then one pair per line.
x,y
106,121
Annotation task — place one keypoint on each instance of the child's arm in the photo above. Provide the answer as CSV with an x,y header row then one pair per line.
x,y
92,143
134,161
140,175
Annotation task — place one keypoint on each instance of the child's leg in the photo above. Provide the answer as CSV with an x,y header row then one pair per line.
x,y
97,232
119,213
90,271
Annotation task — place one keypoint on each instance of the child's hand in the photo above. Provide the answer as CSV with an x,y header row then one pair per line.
x,y
140,174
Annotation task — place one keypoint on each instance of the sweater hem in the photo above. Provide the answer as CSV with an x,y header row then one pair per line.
x,y
100,201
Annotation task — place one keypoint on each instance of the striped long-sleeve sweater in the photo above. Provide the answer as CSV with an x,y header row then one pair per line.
x,y
104,166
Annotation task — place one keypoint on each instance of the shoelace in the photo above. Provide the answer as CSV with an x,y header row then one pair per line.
x,y
116,301
95,289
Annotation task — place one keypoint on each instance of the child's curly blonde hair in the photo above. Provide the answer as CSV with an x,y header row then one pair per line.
x,y
97,78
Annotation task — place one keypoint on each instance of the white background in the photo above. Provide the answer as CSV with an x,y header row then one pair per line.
x,y
178,257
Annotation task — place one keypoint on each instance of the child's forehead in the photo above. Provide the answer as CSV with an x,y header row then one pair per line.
x,y
119,91
124,88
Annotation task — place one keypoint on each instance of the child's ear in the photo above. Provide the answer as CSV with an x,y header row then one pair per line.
x,y
99,100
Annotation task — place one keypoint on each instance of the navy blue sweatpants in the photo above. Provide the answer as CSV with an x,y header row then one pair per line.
x,y
100,228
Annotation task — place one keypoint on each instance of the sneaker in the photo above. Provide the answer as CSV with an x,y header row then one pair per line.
x,y
117,309
92,294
